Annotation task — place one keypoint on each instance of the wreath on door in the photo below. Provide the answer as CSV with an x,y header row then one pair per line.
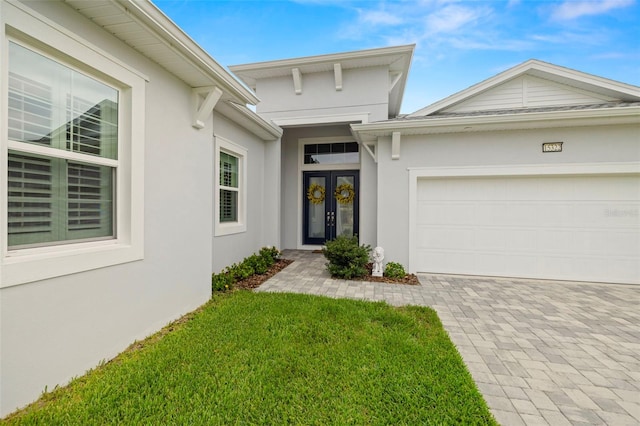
x,y
344,193
316,193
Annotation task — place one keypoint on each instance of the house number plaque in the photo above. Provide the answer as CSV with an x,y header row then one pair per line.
x,y
552,147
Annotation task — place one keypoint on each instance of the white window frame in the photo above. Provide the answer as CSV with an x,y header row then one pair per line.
x,y
228,228
22,25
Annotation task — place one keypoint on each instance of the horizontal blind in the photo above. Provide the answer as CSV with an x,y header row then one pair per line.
x,y
30,202
30,110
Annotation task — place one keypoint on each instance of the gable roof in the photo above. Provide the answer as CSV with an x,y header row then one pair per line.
x,y
566,98
397,58
577,88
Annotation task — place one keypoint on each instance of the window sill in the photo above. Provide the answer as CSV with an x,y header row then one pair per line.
x,y
230,228
29,265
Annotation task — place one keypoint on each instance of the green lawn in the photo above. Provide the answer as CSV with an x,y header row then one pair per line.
x,y
258,358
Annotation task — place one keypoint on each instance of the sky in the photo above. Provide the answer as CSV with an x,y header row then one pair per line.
x,y
458,43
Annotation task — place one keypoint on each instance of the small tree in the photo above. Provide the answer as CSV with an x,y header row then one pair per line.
x,y
346,258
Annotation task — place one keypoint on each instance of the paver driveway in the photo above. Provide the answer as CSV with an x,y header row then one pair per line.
x,y
541,352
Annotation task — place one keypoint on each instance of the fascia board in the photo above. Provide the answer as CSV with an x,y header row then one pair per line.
x,y
628,115
250,73
287,64
174,38
473,90
549,71
250,120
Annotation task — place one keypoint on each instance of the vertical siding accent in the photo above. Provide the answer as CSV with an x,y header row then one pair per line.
x,y
527,91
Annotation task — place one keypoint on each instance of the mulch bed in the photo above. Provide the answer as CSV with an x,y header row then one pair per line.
x,y
256,280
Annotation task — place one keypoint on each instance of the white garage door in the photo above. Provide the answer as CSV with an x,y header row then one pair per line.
x,y
583,228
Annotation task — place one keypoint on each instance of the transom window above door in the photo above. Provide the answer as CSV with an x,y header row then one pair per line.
x,y
331,153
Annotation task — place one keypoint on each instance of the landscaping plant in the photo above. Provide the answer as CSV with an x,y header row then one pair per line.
x,y
394,270
347,259
254,264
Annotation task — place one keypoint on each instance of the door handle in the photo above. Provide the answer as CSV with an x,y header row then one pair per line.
x,y
331,218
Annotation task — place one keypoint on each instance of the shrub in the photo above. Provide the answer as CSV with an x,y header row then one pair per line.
x,y
257,263
269,254
240,271
346,258
394,270
222,281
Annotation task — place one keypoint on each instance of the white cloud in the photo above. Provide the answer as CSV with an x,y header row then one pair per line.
x,y
451,18
477,43
379,17
574,9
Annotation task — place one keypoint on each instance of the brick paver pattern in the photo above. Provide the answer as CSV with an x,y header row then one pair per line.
x,y
541,352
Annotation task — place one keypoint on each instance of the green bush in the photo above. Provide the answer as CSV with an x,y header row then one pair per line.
x,y
269,254
222,282
257,263
240,271
394,270
346,258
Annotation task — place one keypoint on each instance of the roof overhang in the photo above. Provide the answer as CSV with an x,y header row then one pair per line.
x,y
600,85
265,130
498,122
397,59
144,27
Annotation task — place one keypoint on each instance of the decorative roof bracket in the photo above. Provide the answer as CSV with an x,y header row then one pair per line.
x,y
337,72
370,147
297,80
395,78
204,101
395,145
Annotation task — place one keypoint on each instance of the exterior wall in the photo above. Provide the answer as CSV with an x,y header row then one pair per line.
x,y
55,329
291,190
318,103
603,144
319,96
262,195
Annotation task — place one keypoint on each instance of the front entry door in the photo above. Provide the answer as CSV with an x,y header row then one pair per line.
x,y
330,205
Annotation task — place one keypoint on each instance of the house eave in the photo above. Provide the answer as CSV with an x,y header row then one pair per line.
x,y
538,120
265,130
143,26
397,59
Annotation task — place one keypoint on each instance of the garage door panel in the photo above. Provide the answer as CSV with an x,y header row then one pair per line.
x,y
557,227
460,213
521,240
444,238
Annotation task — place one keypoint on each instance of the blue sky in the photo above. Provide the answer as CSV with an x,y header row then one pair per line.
x,y
458,43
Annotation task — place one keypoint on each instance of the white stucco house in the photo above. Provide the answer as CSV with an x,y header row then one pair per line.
x,y
532,173
133,168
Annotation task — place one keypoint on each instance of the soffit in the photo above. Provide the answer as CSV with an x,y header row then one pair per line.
x,y
145,28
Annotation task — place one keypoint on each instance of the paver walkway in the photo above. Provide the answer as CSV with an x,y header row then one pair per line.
x,y
541,352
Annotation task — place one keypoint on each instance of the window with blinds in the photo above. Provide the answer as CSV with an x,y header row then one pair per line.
x,y
228,187
63,139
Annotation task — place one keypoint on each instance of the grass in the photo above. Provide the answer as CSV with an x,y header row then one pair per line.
x,y
259,358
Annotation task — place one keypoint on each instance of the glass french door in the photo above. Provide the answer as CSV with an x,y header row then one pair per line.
x,y
330,205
